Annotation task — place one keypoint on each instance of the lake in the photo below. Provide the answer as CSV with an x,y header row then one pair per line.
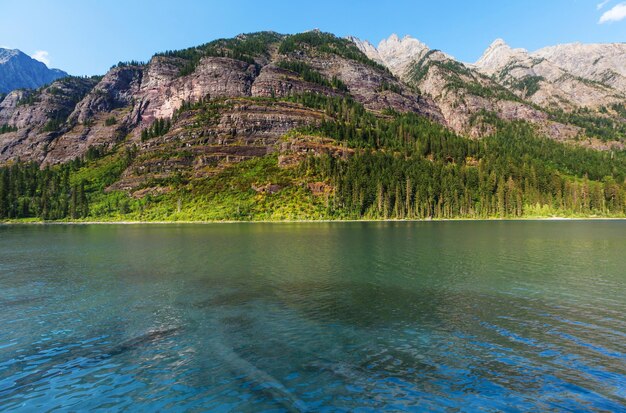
x,y
398,316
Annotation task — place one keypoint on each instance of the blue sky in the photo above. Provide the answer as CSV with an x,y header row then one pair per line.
x,y
86,37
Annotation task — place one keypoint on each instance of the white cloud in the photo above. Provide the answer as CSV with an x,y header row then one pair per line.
x,y
600,6
42,56
616,14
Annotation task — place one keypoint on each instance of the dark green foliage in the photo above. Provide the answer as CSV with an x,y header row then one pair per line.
x,y
7,128
26,191
311,75
529,85
110,121
408,167
336,83
60,192
601,127
243,47
29,98
620,109
383,185
393,87
54,124
158,128
402,166
420,69
128,64
327,43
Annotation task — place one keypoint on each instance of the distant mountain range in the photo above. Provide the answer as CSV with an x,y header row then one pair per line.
x,y
505,133
20,71
512,83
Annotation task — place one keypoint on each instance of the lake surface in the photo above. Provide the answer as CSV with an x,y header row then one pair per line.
x,y
439,316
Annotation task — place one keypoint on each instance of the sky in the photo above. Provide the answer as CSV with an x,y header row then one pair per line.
x,y
87,37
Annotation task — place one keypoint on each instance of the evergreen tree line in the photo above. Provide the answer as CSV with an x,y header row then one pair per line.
x,y
60,191
376,184
26,191
244,48
408,167
7,128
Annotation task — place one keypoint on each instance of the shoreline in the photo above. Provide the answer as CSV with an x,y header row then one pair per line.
x,y
320,221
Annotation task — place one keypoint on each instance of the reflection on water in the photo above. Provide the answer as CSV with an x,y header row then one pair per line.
x,y
306,317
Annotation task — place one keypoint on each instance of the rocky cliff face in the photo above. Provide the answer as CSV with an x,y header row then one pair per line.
x,y
129,99
39,117
19,71
247,76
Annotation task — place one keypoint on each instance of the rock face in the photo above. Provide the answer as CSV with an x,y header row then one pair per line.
x,y
460,92
19,71
395,53
130,98
117,89
237,129
39,116
244,75
543,81
604,63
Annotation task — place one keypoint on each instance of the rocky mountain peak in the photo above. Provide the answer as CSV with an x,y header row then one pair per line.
x,y
396,53
406,47
498,55
18,70
605,63
7,54
367,48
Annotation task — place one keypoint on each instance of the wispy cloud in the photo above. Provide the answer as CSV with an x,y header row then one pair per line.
x,y
42,56
615,14
600,6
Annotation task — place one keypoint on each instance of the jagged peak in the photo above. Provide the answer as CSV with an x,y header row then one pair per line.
x,y
6,54
395,40
498,55
398,53
499,42
367,48
498,46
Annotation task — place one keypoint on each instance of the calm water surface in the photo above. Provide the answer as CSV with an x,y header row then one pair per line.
x,y
447,316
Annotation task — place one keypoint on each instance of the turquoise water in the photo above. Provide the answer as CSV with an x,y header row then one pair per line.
x,y
442,316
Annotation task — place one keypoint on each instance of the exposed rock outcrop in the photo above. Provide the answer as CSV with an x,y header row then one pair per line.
x,y
604,63
542,81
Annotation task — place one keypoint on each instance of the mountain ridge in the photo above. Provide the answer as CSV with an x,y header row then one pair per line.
x,y
20,71
513,83
304,126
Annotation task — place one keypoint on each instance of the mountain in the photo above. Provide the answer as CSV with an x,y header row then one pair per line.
x,y
250,66
510,84
548,79
20,71
603,63
310,126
